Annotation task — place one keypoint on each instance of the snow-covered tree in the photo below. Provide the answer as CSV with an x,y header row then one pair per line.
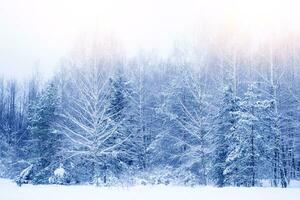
x,y
245,142
225,122
44,140
186,112
89,124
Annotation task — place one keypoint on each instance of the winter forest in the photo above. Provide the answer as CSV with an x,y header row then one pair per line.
x,y
220,108
204,115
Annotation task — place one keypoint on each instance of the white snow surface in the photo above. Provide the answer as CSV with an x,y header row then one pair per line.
x,y
10,191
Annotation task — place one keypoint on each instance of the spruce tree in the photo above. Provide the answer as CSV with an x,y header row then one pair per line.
x,y
44,139
225,122
120,111
246,147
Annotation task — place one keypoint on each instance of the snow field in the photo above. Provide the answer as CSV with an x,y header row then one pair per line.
x,y
10,191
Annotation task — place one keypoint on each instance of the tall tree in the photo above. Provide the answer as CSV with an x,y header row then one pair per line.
x,y
45,142
225,122
246,145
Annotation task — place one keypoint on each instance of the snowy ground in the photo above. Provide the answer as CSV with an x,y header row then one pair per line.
x,y
9,191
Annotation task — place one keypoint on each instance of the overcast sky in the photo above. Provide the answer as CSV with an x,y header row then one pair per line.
x,y
37,33
31,36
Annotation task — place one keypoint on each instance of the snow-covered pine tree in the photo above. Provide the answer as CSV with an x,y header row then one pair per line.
x,y
246,146
225,122
45,142
125,114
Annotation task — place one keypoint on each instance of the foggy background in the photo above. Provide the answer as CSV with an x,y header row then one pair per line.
x,y
36,34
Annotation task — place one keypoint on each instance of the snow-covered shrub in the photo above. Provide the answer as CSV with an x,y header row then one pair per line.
x,y
41,175
60,176
25,176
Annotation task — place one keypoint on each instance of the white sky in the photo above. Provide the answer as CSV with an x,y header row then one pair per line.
x,y
37,33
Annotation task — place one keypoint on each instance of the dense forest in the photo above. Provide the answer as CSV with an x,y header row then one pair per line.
x,y
207,114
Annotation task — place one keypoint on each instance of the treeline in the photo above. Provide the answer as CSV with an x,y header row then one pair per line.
x,y
198,117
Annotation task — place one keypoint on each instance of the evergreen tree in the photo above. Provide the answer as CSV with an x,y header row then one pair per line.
x,y
45,141
245,142
225,122
121,110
